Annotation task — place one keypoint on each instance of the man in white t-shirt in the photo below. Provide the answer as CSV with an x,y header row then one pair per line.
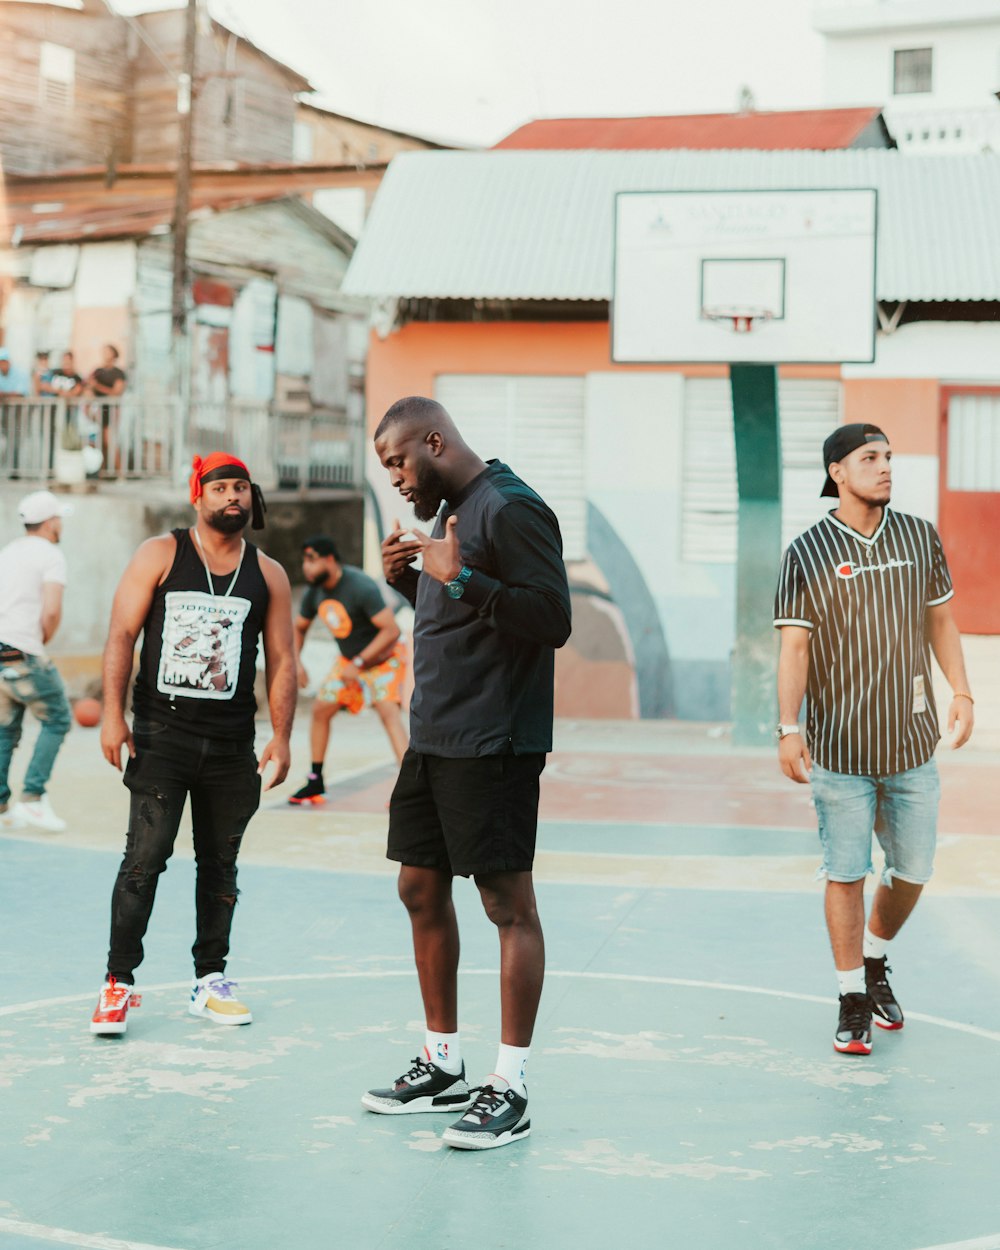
x,y
32,574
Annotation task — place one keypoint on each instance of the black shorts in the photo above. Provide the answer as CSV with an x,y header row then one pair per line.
x,y
469,817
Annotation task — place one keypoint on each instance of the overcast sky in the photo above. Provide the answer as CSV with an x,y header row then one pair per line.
x,y
469,71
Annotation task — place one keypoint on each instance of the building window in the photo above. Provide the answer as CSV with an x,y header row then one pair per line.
x,y
56,74
911,71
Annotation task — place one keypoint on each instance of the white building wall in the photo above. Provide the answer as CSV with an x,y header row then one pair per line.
x,y
959,114
955,352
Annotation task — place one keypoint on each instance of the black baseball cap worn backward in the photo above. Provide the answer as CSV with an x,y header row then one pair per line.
x,y
841,443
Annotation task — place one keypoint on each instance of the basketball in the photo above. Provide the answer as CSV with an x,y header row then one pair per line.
x,y
87,712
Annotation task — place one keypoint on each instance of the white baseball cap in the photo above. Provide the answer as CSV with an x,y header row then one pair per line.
x,y
39,506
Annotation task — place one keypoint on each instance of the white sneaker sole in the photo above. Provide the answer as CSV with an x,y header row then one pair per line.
x,y
485,1141
389,1106
111,1030
205,1013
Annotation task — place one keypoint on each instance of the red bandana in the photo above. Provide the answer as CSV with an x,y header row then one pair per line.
x,y
201,468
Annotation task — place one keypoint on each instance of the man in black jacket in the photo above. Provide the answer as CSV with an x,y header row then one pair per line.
x,y
492,604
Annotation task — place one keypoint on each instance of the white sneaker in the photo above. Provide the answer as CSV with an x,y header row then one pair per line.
x,y
214,996
9,821
38,814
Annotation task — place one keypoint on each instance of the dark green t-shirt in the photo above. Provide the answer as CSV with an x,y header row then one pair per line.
x,y
347,609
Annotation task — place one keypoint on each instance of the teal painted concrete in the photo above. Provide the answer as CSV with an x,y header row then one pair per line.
x,y
722,1107
683,1085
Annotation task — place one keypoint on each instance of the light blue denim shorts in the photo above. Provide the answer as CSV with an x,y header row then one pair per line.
x,y
900,809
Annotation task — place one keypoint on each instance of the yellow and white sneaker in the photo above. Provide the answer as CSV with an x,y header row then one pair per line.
x,y
214,996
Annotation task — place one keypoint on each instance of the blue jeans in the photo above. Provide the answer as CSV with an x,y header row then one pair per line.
x,y
221,778
32,683
901,809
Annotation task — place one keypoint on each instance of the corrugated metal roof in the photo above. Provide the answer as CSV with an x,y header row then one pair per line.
x,y
538,225
78,205
818,129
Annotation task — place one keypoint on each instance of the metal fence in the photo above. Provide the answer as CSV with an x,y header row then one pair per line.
x,y
133,438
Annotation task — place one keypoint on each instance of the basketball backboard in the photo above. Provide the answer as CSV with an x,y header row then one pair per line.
x,y
740,277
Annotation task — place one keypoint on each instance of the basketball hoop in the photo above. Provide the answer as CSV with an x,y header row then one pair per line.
x,y
740,317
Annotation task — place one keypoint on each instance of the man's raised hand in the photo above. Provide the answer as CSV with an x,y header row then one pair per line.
x,y
398,555
442,556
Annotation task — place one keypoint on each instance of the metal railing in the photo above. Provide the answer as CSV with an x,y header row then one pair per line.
x,y
47,440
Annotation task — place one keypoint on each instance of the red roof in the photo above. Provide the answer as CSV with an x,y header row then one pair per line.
x,y
817,129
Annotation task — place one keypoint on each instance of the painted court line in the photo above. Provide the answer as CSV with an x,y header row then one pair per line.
x,y
66,1237
956,1026
992,1242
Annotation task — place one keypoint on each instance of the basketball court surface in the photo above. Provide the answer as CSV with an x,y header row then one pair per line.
x,y
683,1085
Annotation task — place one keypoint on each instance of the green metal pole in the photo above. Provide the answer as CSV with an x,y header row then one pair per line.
x,y
758,470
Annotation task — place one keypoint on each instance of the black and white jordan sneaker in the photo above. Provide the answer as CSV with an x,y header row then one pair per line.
x,y
887,1012
854,1025
425,1087
494,1119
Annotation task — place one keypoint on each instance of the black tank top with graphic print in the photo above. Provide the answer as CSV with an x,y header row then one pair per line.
x,y
199,650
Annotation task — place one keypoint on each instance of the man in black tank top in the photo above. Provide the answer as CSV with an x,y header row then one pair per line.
x,y
201,597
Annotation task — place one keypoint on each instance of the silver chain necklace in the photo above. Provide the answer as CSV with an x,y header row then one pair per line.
x,y
208,573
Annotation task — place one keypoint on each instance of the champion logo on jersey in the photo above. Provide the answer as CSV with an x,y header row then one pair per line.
x,y
849,569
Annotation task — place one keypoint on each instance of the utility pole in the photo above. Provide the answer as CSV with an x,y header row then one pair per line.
x,y
182,207
182,200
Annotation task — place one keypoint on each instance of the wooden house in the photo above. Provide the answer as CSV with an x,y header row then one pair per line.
x,y
82,86
65,86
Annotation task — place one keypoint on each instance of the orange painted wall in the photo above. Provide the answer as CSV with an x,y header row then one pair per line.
x,y
92,329
407,362
908,409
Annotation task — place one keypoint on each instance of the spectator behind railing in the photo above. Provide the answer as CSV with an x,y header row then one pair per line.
x,y
41,374
64,382
14,382
108,378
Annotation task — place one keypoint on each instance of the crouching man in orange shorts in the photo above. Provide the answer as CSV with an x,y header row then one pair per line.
x,y
370,669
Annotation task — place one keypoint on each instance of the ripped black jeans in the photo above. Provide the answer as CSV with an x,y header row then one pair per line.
x,y
221,777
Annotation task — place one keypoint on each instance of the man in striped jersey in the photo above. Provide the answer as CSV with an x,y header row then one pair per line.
x,y
862,600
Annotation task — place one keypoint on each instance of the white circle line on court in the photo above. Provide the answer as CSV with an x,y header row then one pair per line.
x,y
991,1242
628,977
66,1237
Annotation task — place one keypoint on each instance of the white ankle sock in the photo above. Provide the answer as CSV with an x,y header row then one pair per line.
x,y
444,1051
511,1062
875,947
852,982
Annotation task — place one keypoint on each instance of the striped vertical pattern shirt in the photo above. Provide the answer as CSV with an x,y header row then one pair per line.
x,y
870,702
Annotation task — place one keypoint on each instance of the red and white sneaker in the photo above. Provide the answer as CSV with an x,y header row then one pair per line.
x,y
112,1007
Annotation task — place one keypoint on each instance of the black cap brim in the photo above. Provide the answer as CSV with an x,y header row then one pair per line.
x,y
829,488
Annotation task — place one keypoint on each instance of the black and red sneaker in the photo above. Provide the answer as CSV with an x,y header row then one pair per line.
x,y
887,1012
854,1028
314,791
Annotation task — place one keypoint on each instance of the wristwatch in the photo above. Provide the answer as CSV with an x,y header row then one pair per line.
x,y
785,731
455,589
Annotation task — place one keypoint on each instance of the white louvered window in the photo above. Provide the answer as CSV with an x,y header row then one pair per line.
x,y
534,424
56,76
974,442
808,410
